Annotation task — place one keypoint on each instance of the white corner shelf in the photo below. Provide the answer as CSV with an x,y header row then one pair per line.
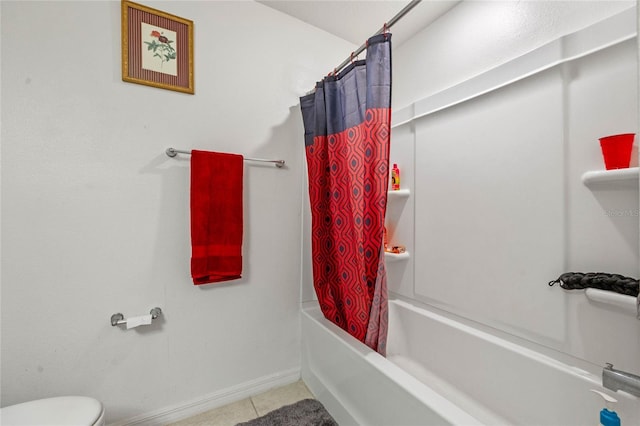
x,y
394,257
625,303
627,178
399,193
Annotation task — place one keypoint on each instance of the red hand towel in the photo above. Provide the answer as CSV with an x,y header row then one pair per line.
x,y
216,216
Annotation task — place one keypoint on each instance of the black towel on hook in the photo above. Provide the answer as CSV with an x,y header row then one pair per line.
x,y
600,280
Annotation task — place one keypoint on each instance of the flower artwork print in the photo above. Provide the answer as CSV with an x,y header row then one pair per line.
x,y
159,49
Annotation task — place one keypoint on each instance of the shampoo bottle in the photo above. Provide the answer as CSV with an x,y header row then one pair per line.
x,y
395,177
608,417
385,243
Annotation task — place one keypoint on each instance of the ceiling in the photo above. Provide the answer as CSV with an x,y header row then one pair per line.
x,y
357,20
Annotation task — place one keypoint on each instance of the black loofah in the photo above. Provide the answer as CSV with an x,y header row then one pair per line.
x,y
600,280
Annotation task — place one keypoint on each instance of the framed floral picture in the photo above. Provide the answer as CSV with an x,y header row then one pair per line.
x,y
157,48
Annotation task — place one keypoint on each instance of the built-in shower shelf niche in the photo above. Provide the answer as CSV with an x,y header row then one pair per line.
x,y
399,193
395,257
618,178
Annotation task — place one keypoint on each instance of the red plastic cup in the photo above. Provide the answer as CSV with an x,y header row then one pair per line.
x,y
616,150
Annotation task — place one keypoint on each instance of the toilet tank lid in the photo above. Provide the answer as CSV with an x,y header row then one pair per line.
x,y
62,410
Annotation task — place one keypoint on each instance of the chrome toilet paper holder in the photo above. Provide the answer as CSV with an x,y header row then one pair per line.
x,y
118,319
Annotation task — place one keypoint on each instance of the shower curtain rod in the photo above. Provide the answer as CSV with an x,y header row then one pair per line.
x,y
386,26
172,152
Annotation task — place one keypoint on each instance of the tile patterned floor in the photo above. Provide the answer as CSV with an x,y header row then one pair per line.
x,y
250,408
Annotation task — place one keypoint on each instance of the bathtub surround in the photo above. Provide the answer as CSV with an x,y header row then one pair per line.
x,y
495,126
507,149
95,216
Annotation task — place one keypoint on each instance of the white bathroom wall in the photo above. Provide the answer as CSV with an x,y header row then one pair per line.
x,y
95,217
498,202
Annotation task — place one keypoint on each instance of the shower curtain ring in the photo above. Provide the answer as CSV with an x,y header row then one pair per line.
x,y
351,57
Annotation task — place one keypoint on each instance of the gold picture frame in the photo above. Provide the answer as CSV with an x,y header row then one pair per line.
x,y
157,48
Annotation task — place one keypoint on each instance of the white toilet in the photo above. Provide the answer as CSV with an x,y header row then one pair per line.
x,y
60,411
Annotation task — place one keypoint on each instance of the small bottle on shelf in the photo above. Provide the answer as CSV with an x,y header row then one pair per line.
x,y
395,177
384,237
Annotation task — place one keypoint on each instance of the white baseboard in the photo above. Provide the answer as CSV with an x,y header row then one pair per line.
x,y
213,400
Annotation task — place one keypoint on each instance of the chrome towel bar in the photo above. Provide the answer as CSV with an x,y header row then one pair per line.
x,y
172,152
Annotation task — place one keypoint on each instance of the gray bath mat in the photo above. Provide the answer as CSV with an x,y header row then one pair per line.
x,y
307,412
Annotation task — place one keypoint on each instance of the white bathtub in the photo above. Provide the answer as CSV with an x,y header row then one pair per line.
x,y
439,371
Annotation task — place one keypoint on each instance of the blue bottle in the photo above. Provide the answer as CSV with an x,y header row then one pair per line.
x,y
608,417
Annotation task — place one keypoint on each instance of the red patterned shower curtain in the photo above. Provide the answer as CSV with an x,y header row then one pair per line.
x,y
347,134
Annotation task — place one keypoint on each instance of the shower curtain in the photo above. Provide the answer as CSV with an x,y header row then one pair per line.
x,y
347,134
